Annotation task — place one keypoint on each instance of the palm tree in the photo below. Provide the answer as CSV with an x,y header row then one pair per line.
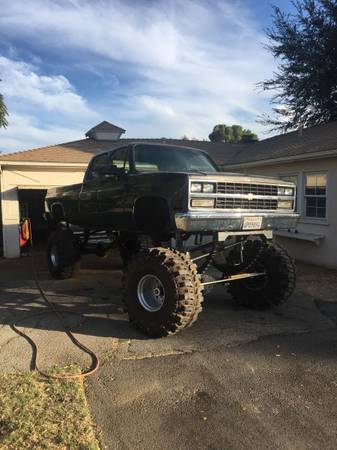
x,y
3,113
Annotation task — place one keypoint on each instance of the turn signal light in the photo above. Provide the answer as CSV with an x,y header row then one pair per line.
x,y
203,202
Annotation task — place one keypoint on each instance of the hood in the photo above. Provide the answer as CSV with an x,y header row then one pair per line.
x,y
234,177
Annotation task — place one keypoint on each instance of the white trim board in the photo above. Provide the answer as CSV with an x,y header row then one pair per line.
x,y
59,165
268,162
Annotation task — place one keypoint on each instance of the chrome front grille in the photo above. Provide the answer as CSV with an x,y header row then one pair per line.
x,y
244,203
247,188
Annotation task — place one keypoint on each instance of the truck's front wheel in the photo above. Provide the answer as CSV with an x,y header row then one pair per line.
x,y
162,291
63,255
273,288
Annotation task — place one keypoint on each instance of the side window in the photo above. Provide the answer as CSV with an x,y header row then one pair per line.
x,y
96,164
120,159
315,195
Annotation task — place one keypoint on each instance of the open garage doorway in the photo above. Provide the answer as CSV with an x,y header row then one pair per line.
x,y
31,203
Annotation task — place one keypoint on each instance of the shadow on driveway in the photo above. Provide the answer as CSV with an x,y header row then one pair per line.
x,y
91,306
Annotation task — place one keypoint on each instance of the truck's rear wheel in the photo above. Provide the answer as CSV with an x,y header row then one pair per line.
x,y
162,291
63,255
272,289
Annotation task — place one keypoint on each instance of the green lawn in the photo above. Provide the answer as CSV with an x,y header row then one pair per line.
x,y
39,413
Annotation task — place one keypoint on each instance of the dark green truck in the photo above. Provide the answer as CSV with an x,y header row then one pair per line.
x,y
180,224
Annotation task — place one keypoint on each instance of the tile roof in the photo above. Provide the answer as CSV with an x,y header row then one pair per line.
x,y
320,138
316,139
81,151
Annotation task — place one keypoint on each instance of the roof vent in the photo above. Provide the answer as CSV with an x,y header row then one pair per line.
x,y
105,131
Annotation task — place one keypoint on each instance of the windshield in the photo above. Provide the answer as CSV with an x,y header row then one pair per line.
x,y
171,159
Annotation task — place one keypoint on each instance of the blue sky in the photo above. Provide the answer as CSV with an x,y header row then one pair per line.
x,y
156,68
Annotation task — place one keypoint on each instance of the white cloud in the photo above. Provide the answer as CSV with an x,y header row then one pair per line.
x,y
42,109
193,63
154,105
22,82
24,133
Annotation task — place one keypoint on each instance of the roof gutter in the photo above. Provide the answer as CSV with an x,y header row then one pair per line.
x,y
285,159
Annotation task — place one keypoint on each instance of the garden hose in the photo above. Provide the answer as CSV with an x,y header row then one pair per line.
x,y
51,308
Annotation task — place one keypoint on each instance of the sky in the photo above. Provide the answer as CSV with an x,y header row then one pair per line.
x,y
155,68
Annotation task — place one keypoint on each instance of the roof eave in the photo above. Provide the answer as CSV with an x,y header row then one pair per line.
x,y
42,164
284,159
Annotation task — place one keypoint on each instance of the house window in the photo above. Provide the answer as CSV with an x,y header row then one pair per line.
x,y
315,195
292,179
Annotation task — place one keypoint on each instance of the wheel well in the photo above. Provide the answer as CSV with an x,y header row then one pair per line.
x,y
57,212
152,214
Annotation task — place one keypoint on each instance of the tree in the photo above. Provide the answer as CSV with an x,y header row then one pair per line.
x,y
233,134
305,84
248,136
237,132
3,113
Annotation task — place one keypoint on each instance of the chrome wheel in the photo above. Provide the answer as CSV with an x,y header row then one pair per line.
x,y
54,256
151,293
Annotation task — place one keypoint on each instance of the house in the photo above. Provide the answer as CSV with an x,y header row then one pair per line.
x,y
25,177
307,157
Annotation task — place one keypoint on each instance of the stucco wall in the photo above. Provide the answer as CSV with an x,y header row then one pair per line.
x,y
325,253
13,178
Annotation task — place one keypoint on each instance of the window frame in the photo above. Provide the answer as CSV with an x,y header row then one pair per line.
x,y
109,154
301,177
310,219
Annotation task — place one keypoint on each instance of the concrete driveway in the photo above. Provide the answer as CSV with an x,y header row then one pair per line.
x,y
236,380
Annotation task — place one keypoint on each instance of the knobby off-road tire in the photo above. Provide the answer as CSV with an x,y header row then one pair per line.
x,y
63,255
179,290
272,289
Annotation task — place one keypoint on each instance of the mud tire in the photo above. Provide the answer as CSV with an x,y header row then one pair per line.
x,y
182,287
277,286
63,255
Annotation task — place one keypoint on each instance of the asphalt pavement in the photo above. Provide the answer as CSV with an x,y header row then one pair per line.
x,y
237,379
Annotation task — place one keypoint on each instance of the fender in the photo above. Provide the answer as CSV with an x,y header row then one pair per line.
x,y
57,211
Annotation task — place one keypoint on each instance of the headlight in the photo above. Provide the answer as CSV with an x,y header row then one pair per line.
x,y
203,187
203,202
285,191
285,204
208,187
196,187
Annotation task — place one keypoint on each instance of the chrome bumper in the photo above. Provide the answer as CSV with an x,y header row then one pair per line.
x,y
199,221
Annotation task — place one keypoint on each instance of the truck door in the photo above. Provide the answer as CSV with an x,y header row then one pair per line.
x,y
112,189
88,195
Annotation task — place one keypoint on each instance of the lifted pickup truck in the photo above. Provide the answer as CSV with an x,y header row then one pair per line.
x,y
180,224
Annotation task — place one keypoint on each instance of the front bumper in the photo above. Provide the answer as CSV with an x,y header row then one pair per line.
x,y
208,221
